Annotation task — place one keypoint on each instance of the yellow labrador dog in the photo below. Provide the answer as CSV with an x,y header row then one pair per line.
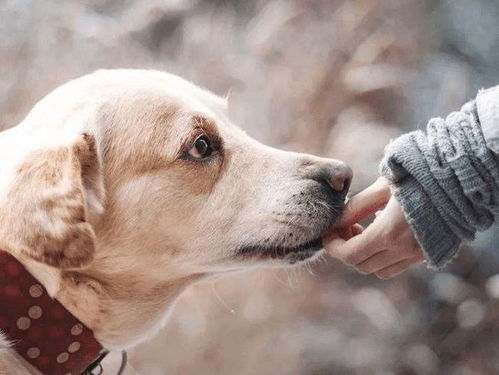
x,y
122,188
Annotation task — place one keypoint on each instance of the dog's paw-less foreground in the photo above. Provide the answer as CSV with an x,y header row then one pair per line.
x,y
123,187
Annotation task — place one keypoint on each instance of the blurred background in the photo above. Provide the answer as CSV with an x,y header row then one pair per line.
x,y
336,78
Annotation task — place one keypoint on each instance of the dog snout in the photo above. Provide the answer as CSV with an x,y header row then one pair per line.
x,y
340,177
334,174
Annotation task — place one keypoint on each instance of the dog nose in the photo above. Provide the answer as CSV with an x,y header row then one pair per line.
x,y
340,177
334,174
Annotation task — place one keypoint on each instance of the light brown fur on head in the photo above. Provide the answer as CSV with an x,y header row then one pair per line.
x,y
103,197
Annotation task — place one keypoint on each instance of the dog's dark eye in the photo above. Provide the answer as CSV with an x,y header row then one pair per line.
x,y
202,148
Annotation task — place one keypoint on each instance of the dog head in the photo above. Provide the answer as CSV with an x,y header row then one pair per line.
x,y
146,166
122,187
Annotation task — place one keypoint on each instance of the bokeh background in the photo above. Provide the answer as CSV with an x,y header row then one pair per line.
x,y
333,77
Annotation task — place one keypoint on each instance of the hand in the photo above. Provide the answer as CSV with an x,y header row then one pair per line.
x,y
387,247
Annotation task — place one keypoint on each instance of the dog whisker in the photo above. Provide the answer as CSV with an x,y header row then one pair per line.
x,y
279,280
222,302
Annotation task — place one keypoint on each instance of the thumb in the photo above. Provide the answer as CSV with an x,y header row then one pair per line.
x,y
366,203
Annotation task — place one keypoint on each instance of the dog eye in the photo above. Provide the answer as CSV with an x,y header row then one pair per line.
x,y
202,148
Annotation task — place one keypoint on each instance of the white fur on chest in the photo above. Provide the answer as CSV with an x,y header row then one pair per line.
x,y
11,363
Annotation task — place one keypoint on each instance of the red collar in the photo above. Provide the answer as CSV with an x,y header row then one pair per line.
x,y
41,330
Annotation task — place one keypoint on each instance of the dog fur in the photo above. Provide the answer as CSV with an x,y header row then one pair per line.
x,y
101,202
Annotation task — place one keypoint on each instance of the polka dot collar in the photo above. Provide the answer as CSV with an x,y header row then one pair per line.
x,y
42,331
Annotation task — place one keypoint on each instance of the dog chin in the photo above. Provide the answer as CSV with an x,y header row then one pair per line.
x,y
284,254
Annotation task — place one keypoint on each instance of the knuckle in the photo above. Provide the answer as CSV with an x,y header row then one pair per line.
x,y
368,271
363,269
360,270
351,258
382,275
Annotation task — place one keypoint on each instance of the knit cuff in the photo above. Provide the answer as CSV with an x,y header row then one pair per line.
x,y
439,244
447,182
418,192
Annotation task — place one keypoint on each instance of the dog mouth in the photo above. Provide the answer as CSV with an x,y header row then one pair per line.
x,y
290,254
310,233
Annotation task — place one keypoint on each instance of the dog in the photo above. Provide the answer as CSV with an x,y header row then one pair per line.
x,y
123,187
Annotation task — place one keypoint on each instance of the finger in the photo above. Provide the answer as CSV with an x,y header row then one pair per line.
x,y
357,229
384,259
366,203
355,250
347,233
397,268
360,247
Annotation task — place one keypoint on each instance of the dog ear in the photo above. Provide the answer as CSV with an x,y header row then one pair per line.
x,y
54,197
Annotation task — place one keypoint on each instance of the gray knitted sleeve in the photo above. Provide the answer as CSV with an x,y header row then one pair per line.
x,y
447,182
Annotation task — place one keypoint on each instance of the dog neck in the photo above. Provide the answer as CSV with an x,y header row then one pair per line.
x,y
122,307
29,317
121,310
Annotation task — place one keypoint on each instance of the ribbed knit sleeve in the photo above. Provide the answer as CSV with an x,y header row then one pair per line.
x,y
447,181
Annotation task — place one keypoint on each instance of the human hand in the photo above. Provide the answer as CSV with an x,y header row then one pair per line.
x,y
387,247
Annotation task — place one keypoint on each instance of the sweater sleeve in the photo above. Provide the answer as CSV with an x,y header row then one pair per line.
x,y
447,181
